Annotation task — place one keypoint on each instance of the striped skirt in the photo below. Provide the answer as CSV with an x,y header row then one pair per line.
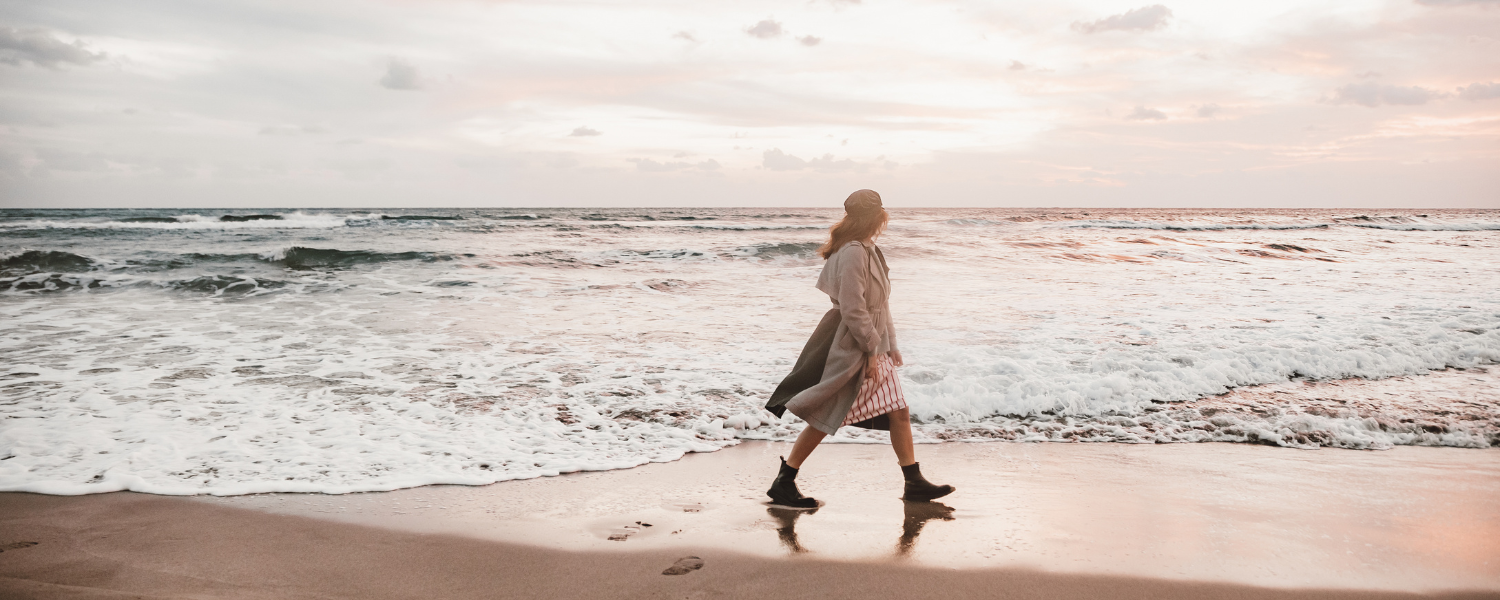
x,y
876,400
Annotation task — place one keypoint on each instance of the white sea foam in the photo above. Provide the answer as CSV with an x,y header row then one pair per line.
x,y
368,358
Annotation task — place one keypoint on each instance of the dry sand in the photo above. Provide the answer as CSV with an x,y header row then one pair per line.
x,y
1029,521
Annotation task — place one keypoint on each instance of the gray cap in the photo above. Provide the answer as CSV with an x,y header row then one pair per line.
x,y
862,201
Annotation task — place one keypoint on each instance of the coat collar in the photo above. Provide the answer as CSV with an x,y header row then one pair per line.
x,y
877,258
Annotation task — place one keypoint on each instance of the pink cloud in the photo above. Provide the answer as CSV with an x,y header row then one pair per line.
x,y
1146,18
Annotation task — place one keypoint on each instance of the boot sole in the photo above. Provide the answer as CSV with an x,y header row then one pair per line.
x,y
776,504
928,498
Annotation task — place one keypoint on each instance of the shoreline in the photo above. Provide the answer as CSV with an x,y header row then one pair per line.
x,y
1045,520
1295,414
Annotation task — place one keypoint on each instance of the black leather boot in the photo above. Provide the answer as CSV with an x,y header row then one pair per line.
x,y
784,492
918,489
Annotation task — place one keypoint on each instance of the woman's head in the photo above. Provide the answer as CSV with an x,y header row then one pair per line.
x,y
864,219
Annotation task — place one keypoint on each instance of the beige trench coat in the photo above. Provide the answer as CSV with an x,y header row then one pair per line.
x,y
828,374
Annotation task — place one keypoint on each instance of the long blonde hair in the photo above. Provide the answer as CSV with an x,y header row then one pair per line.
x,y
864,225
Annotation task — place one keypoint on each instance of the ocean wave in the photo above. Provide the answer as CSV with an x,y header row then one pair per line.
x,y
46,262
214,285
420,218
755,227
780,250
610,258
31,261
976,222
524,217
301,258
1193,227
1387,223
1257,423
1411,223
629,217
607,257
1429,226
964,384
295,220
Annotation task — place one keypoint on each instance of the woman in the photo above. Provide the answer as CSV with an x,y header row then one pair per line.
x,y
846,375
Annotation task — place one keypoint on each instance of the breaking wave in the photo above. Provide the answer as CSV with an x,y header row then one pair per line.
x,y
300,258
32,261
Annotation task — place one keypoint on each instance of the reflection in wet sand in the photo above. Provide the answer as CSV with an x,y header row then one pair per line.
x,y
917,515
787,519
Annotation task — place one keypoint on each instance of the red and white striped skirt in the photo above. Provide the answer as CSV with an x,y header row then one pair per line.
x,y
876,400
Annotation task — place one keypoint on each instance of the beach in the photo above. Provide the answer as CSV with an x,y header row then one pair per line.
x,y
553,300
1029,520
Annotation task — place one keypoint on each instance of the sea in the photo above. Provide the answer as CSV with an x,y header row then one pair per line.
x,y
248,351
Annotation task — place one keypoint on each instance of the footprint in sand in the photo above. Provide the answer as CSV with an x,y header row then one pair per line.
x,y
686,564
20,545
623,533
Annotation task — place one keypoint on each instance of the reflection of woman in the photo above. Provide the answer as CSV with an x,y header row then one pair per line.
x,y
846,374
916,514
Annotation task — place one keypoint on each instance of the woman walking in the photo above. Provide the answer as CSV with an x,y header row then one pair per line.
x,y
846,374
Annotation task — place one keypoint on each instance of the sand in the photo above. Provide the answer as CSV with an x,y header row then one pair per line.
x,y
1029,521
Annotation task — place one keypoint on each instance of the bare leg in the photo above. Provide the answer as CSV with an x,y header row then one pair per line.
x,y
806,442
906,454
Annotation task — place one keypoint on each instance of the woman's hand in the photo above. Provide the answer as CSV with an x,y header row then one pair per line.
x,y
872,370
896,358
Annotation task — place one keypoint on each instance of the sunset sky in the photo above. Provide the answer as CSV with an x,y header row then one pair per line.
x,y
1274,103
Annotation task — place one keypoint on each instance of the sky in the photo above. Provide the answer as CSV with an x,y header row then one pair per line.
x,y
332,103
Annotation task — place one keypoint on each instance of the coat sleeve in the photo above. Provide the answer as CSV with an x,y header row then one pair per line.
x,y
854,276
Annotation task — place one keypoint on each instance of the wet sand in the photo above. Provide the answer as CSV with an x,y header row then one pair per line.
x,y
1029,520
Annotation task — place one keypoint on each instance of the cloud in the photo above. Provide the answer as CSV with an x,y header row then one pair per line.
x,y
827,163
651,166
10,164
400,75
585,132
765,30
1142,113
206,82
292,129
68,160
1458,2
42,49
1208,110
776,160
1146,18
1375,94
808,40
1480,91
